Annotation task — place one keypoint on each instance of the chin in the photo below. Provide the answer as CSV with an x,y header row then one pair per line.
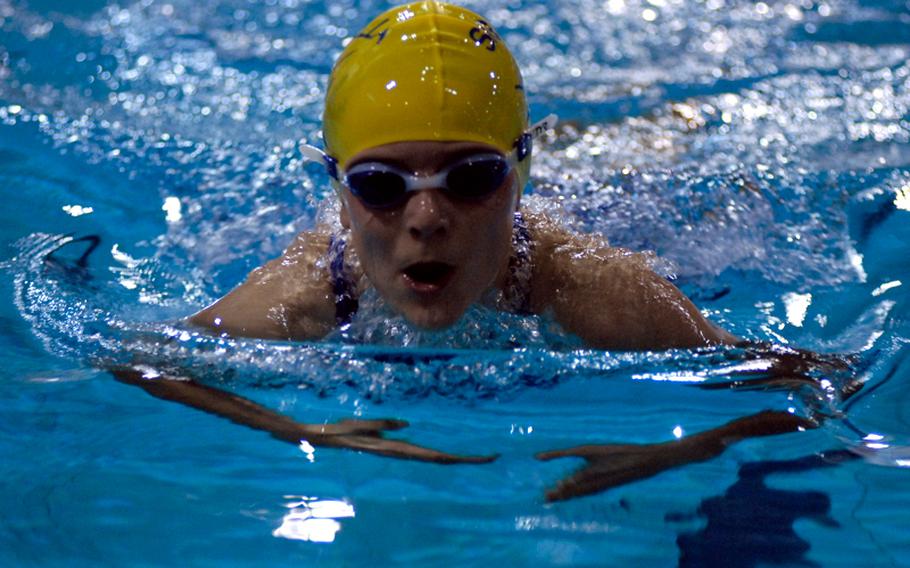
x,y
430,319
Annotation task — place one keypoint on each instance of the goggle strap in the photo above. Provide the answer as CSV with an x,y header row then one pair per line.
x,y
538,129
314,154
525,142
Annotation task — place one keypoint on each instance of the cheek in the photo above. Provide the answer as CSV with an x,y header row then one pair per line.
x,y
496,241
353,215
372,241
368,245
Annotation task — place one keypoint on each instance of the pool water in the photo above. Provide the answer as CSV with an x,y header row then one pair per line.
x,y
760,149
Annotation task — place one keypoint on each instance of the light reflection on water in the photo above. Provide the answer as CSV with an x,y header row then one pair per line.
x,y
314,520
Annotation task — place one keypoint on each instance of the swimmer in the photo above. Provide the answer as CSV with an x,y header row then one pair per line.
x,y
429,147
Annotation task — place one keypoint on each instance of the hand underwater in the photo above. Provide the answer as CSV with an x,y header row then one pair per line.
x,y
355,434
789,368
612,465
366,436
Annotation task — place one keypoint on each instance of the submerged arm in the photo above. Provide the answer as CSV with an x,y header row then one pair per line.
x,y
363,435
613,465
785,368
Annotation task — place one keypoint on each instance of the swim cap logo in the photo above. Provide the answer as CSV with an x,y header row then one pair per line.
x,y
483,33
371,33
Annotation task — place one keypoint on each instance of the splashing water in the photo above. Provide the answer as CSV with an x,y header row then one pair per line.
x,y
729,160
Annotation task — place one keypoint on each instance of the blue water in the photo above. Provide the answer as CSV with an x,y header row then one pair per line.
x,y
760,149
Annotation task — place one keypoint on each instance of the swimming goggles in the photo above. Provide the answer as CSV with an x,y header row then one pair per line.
x,y
379,185
383,186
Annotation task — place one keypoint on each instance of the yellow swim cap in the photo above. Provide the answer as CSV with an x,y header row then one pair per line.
x,y
425,71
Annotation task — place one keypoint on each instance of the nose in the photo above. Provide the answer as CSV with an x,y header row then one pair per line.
x,y
425,215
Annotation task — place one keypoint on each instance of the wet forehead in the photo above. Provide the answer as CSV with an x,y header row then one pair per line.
x,y
421,156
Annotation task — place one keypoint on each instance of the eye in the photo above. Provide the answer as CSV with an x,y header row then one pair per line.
x,y
476,178
376,188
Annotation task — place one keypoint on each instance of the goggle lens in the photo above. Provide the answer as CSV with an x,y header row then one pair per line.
x,y
377,188
477,179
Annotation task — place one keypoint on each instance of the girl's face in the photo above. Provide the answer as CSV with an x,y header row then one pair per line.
x,y
433,255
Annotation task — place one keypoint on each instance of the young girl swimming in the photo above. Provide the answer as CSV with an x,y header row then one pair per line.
x,y
428,145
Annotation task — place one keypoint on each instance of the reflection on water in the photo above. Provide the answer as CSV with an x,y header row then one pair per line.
x,y
312,519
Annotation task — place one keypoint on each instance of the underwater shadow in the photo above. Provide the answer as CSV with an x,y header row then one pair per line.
x,y
751,524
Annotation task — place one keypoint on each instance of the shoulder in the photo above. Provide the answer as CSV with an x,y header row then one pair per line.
x,y
301,275
307,252
568,261
303,266
611,297
288,297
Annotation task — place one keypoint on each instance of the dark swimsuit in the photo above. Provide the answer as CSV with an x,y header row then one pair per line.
x,y
517,293
343,285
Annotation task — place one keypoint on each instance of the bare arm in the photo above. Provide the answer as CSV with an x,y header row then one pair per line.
x,y
287,298
363,435
611,465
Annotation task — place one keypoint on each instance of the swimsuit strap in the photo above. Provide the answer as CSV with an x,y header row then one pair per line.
x,y
343,285
517,293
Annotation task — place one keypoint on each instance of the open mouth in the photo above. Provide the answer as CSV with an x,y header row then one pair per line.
x,y
427,276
